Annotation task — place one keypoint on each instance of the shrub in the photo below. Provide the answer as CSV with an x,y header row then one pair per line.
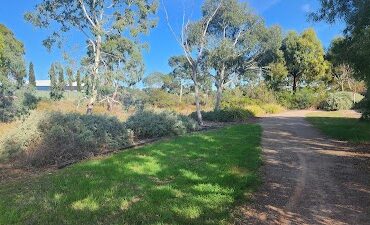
x,y
337,101
147,124
303,99
261,93
19,136
226,115
272,108
255,110
66,137
366,115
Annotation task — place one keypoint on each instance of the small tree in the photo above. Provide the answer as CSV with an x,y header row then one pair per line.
x,y
78,81
31,75
70,78
304,57
193,40
56,81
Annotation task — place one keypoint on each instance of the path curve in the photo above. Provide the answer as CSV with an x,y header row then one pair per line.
x,y
308,178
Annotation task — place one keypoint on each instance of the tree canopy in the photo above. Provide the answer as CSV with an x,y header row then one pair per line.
x,y
12,65
112,29
304,58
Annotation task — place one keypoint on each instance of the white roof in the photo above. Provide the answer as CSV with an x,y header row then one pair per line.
x,y
43,83
46,83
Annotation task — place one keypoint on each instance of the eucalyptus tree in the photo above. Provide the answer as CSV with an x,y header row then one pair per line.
x,y
12,65
180,72
304,57
237,40
97,20
355,46
193,39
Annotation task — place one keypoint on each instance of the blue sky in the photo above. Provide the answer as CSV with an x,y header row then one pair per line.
x,y
289,14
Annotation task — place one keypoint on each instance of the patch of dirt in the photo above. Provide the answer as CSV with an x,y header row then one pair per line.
x,y
308,178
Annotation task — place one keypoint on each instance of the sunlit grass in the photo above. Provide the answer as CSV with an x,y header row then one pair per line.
x,y
193,179
339,126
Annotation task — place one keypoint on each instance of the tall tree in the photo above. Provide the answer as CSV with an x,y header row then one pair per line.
x,y
31,75
97,20
304,57
238,38
355,48
193,39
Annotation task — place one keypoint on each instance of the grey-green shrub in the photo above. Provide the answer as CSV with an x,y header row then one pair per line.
x,y
20,137
71,137
304,98
226,115
147,124
337,101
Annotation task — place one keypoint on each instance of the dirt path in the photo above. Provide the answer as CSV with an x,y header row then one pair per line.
x,y
308,178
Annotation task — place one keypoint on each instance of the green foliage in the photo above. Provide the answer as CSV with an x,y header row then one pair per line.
x,y
31,75
337,101
304,98
56,83
340,101
193,179
272,108
65,137
161,99
20,137
261,93
12,65
112,30
239,39
226,115
12,107
146,124
304,58
255,110
354,48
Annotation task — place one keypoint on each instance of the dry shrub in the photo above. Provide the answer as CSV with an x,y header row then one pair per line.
x,y
72,137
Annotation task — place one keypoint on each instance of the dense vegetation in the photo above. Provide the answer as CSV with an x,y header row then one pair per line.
x,y
188,180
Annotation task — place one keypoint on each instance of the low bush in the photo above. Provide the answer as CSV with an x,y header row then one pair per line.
x,y
147,124
66,137
226,115
339,101
255,110
272,108
305,98
18,136
261,93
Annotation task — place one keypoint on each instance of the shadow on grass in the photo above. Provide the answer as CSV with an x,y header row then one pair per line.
x,y
344,129
194,179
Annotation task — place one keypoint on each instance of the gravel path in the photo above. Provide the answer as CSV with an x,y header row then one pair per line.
x,y
308,178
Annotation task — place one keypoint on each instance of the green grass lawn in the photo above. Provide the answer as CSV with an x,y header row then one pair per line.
x,y
193,179
336,125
